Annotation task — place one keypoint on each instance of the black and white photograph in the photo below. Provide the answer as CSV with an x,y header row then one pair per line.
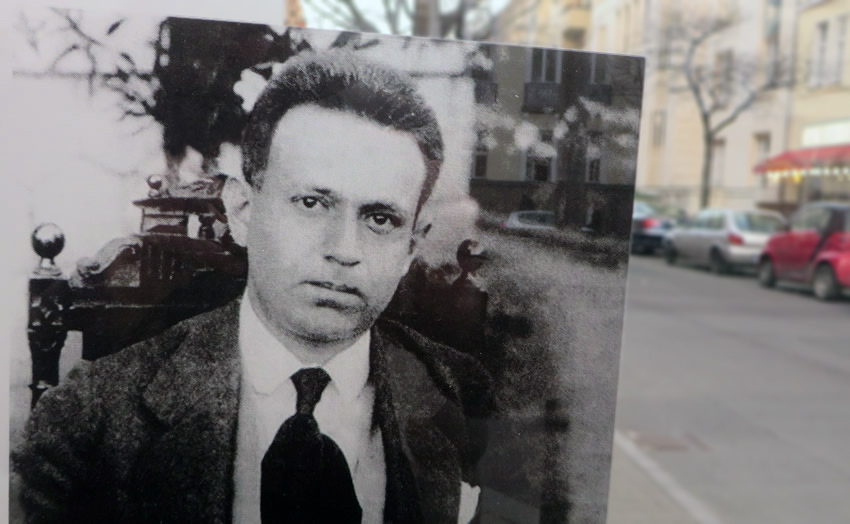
x,y
279,274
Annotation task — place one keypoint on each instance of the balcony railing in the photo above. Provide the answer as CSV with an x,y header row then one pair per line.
x,y
542,97
486,92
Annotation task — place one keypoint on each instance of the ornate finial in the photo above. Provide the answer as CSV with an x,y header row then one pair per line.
x,y
155,183
48,241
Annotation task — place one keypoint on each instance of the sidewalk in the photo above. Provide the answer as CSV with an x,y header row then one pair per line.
x,y
635,498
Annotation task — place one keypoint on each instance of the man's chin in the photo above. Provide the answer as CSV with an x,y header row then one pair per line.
x,y
328,325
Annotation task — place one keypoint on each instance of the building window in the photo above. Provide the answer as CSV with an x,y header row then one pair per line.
x,y
538,168
626,28
659,123
479,165
479,156
762,151
545,65
602,39
541,167
840,47
594,170
718,159
762,146
599,70
817,72
724,65
772,12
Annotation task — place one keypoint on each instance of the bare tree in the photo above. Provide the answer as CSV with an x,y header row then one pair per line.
x,y
723,84
468,19
188,86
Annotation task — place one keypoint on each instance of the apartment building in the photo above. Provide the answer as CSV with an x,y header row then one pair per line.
x,y
815,165
672,148
547,23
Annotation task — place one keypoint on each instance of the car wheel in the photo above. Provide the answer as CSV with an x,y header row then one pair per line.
x,y
767,273
670,254
824,283
717,264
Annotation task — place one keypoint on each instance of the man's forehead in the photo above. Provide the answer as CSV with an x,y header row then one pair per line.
x,y
346,155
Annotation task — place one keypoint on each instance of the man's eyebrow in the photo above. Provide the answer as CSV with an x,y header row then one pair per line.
x,y
323,191
379,207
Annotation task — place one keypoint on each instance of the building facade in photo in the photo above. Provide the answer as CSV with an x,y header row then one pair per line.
x,y
566,138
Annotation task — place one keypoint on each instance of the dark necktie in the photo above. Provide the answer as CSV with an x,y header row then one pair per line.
x,y
305,477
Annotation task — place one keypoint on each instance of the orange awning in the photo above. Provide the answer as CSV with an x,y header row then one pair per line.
x,y
827,157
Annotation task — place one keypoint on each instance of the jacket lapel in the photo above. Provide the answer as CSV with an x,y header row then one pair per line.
x,y
423,469
185,472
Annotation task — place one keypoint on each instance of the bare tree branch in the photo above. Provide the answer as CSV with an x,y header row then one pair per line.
x,y
723,89
357,16
333,13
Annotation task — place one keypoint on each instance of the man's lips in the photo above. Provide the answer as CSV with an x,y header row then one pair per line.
x,y
333,286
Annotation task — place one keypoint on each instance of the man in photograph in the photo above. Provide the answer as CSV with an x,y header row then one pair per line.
x,y
299,402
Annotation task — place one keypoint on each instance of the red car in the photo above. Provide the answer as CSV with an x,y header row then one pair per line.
x,y
814,249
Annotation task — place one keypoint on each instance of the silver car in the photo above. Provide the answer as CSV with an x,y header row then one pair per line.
x,y
530,220
723,239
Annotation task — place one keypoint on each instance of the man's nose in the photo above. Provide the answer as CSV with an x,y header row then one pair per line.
x,y
342,245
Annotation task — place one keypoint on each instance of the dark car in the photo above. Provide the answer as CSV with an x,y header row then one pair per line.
x,y
814,250
649,228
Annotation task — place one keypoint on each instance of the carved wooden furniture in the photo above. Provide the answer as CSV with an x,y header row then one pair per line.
x,y
182,262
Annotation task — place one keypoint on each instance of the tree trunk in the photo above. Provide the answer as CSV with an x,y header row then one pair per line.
x,y
426,18
705,186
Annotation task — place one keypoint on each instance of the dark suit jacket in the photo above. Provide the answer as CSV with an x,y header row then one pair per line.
x,y
149,434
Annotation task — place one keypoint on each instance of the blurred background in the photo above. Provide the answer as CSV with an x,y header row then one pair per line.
x,y
734,392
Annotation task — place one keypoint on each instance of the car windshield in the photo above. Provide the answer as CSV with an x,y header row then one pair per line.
x,y
642,208
757,222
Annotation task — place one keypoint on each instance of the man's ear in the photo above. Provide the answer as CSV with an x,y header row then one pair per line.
x,y
419,234
236,196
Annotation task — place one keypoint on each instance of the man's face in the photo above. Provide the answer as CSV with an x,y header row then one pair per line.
x,y
331,229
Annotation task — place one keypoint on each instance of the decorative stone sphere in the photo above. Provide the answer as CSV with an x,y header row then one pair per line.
x,y
155,182
48,240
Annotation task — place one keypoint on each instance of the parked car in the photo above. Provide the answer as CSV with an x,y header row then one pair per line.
x,y
814,250
723,239
530,220
649,228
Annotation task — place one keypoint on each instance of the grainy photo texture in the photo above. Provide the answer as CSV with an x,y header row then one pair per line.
x,y
290,275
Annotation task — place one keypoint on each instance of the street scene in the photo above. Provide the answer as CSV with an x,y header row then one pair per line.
x,y
728,223
734,402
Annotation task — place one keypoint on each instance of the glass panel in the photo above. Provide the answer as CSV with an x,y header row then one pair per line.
x,y
757,222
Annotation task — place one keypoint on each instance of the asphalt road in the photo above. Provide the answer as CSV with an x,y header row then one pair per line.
x,y
740,396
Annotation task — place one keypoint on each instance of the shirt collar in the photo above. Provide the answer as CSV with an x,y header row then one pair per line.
x,y
267,363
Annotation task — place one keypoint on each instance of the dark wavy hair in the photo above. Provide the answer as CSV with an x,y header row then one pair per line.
x,y
343,81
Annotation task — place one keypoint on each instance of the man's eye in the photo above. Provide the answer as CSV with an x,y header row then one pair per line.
x,y
383,223
309,202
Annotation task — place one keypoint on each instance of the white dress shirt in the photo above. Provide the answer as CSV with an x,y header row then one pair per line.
x,y
267,399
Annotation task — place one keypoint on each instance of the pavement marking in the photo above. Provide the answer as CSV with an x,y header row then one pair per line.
x,y
695,507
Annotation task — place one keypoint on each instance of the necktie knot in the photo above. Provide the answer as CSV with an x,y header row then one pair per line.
x,y
310,383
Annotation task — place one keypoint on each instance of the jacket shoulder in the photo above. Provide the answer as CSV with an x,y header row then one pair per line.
x,y
459,376
125,373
